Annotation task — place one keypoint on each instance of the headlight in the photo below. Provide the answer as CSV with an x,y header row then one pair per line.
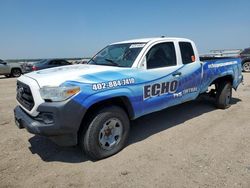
x,y
58,93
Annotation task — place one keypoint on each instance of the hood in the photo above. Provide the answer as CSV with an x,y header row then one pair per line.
x,y
81,73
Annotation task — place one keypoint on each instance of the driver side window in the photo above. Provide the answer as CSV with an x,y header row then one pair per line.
x,y
161,55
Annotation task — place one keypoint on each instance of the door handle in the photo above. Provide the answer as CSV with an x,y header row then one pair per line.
x,y
176,74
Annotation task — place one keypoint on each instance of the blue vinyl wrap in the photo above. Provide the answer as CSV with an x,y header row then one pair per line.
x,y
197,76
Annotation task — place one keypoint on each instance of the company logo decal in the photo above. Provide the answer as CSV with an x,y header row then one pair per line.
x,y
217,65
185,92
158,89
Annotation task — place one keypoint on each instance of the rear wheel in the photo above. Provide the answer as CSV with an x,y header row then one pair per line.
x,y
223,94
106,134
246,66
16,72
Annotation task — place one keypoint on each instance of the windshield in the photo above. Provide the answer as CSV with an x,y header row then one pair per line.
x,y
121,55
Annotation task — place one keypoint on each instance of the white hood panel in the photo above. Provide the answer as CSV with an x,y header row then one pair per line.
x,y
58,75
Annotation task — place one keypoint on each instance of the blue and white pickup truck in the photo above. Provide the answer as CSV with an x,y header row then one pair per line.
x,y
92,105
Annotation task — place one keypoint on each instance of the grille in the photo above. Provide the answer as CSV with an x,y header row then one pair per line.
x,y
24,95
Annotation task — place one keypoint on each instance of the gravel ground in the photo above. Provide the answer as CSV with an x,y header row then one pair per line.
x,y
190,145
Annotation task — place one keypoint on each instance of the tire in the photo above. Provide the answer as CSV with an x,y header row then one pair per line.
x,y
246,66
16,72
110,124
223,95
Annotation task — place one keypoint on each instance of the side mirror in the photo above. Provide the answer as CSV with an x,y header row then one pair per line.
x,y
193,58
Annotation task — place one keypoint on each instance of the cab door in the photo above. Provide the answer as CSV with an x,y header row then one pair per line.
x,y
191,72
161,78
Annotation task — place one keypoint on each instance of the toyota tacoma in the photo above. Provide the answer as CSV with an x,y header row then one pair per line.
x,y
92,104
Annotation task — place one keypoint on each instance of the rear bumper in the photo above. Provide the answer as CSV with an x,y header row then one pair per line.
x,y
65,121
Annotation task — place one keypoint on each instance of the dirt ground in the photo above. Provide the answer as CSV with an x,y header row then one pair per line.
x,y
190,145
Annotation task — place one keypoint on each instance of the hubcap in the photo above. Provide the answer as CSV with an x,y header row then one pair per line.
x,y
246,66
16,73
110,134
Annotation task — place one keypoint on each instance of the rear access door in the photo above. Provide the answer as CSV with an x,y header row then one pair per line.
x,y
191,72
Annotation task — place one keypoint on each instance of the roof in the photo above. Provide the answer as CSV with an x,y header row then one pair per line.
x,y
146,40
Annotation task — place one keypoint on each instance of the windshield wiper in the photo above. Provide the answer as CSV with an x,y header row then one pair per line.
x,y
112,62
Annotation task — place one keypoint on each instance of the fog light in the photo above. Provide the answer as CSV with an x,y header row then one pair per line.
x,y
47,118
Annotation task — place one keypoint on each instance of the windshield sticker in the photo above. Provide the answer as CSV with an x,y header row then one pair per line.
x,y
137,45
113,84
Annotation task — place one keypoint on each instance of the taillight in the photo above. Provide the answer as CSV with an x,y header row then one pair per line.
x,y
34,68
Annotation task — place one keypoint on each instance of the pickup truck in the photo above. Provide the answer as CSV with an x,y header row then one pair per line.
x,y
10,69
92,104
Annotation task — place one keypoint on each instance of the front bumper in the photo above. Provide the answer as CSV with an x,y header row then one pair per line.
x,y
67,117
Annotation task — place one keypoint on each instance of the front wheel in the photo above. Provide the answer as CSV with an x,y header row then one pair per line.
x,y
16,72
106,134
223,95
246,66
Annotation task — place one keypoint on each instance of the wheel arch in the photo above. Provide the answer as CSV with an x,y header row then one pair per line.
x,y
229,78
245,60
13,68
121,101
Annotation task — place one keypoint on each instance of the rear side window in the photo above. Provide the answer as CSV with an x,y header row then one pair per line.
x,y
56,62
187,52
161,55
59,62
53,62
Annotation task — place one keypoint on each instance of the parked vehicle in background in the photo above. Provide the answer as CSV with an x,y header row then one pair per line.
x,y
245,56
45,63
83,62
10,69
225,53
233,53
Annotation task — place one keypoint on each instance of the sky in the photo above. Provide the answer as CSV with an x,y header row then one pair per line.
x,y
80,28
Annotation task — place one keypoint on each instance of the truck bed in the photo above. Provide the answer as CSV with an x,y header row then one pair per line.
x,y
211,58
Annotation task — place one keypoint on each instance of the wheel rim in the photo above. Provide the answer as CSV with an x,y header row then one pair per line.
x,y
110,134
246,66
16,73
228,96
